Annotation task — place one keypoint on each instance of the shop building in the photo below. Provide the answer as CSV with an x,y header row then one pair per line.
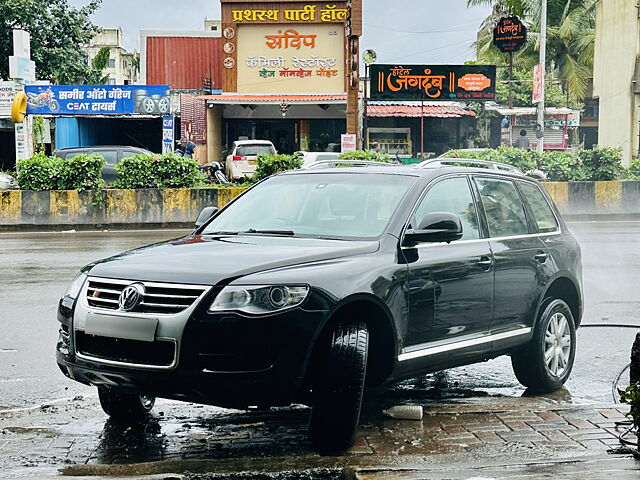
x,y
285,76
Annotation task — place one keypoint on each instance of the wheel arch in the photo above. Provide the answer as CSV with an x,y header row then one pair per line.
x,y
566,289
382,334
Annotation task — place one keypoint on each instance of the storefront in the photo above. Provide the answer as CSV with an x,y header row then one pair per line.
x,y
89,115
400,128
284,76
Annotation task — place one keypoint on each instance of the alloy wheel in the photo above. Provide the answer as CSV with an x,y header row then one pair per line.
x,y
557,345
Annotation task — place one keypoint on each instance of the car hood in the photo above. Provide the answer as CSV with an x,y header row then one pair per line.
x,y
206,260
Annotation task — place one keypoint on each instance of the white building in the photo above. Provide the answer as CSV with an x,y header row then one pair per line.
x,y
123,67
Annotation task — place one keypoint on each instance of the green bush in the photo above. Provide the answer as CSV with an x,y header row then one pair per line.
x,y
269,164
364,155
82,172
601,163
158,171
562,166
633,172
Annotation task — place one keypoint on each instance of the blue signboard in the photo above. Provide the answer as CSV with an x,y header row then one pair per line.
x,y
167,134
98,99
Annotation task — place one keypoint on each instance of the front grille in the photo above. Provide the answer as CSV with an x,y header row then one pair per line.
x,y
158,353
159,298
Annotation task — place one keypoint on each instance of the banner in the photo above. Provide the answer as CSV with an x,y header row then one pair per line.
x,y
7,92
538,84
98,99
167,134
433,82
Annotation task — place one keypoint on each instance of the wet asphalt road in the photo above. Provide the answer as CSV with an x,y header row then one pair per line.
x,y
35,269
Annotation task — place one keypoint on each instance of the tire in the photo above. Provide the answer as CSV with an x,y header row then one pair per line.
x,y
124,406
338,388
544,365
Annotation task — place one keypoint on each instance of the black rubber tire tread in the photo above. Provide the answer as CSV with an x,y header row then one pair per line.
x,y
337,393
529,364
123,406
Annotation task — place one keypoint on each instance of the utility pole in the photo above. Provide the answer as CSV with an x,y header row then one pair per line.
x,y
543,60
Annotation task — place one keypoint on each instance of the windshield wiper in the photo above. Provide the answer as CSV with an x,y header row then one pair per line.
x,y
270,232
221,232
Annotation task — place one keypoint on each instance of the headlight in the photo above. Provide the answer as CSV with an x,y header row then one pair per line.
x,y
258,300
76,285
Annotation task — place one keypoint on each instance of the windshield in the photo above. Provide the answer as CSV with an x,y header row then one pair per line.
x,y
320,205
246,150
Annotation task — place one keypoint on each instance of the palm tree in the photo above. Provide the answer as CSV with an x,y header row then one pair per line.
x,y
570,38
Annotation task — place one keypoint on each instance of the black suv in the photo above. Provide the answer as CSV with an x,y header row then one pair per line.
x,y
315,283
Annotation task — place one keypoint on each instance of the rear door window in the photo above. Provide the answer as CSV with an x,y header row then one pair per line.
x,y
542,213
252,150
503,207
110,156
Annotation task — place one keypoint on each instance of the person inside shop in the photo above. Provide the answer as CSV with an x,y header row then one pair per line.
x,y
375,148
522,141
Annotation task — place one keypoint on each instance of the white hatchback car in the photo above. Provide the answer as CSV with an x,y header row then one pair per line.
x,y
241,161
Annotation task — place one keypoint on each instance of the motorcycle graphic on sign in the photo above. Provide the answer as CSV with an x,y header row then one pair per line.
x,y
45,99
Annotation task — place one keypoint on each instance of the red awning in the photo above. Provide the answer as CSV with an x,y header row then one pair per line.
x,y
275,99
434,111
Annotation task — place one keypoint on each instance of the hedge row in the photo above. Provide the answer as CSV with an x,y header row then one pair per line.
x,y
597,164
84,172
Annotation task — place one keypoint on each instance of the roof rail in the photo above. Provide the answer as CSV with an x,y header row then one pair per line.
x,y
348,163
438,162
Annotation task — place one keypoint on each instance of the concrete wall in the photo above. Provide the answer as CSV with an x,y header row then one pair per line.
x,y
70,208
616,49
180,207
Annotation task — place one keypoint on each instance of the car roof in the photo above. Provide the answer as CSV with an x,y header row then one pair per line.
x,y
253,142
94,147
409,170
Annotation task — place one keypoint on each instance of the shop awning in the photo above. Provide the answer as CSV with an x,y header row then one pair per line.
x,y
415,109
240,99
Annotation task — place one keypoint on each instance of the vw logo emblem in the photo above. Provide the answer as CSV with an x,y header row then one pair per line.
x,y
131,297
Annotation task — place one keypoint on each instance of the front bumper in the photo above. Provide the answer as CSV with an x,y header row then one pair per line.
x,y
221,359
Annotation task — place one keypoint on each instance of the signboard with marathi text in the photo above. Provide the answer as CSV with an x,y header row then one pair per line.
x,y
538,84
510,35
98,99
7,93
433,82
290,58
327,13
347,143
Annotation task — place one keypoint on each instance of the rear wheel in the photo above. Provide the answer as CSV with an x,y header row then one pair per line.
x,y
545,363
124,406
338,388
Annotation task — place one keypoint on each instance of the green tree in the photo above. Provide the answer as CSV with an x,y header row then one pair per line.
x,y
57,31
98,64
570,39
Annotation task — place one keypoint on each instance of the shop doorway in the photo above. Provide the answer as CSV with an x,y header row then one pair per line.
x,y
282,133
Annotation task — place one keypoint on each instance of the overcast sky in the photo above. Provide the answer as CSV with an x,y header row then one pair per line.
x,y
407,31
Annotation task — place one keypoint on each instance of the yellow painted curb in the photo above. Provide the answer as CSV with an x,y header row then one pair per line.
x,y
559,192
10,205
176,202
225,195
121,205
608,194
64,203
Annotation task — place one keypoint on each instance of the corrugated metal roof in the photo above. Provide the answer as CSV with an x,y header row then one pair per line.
x,y
437,111
182,62
276,99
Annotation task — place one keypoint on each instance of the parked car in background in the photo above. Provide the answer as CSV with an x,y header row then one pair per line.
x,y
111,153
309,158
315,283
242,159
7,182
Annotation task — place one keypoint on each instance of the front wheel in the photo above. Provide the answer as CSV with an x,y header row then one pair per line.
x,y
124,406
544,365
338,388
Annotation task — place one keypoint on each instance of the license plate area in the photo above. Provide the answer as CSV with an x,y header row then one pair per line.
x,y
128,328
253,162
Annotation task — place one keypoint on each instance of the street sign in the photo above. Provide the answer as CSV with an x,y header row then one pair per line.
x,y
22,44
433,82
509,35
167,134
347,142
538,84
22,68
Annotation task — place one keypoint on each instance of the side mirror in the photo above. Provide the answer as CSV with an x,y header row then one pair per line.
x,y
205,215
435,227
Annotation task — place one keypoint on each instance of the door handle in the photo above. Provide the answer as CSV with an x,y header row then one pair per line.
x,y
485,262
541,257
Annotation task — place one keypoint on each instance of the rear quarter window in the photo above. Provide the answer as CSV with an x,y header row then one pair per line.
x,y
542,212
